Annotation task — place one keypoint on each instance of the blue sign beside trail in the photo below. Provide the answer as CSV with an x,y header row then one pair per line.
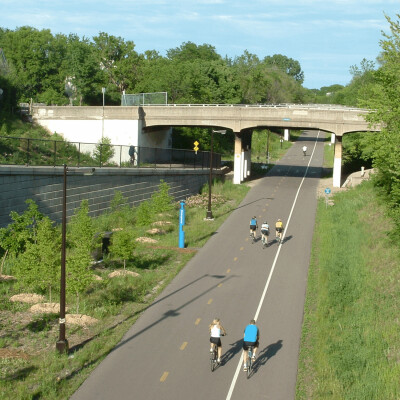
x,y
181,224
327,190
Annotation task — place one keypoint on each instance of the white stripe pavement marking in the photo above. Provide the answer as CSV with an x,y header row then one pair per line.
x,y
272,270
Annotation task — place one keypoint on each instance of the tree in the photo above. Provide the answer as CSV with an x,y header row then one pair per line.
x,y
288,65
84,77
39,266
104,151
119,62
161,201
122,244
22,230
384,102
34,59
80,240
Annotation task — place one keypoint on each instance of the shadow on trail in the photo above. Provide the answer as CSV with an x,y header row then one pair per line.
x,y
265,354
275,241
234,349
169,313
174,312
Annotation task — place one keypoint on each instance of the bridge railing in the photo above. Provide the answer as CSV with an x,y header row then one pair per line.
x,y
44,152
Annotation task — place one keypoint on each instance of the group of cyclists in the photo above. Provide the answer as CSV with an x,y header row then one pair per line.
x,y
250,339
251,332
265,230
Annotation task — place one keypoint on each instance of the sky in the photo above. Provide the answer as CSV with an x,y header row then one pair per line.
x,y
327,37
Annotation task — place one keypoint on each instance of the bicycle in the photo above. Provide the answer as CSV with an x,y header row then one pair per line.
x,y
249,360
264,239
214,358
279,237
253,236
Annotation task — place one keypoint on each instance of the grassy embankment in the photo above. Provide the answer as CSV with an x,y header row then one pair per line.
x,y
350,346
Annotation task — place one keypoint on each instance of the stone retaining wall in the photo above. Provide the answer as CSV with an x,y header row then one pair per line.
x,y
44,185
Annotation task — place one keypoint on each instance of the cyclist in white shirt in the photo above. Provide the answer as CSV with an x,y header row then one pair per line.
x,y
264,233
216,331
304,150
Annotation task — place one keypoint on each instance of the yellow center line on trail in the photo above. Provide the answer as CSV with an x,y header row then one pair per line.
x,y
164,376
210,301
220,285
242,248
197,321
228,270
184,344
235,259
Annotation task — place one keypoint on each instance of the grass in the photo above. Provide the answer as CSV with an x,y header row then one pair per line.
x,y
350,347
30,367
329,153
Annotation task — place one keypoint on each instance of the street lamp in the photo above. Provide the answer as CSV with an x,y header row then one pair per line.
x,y
102,120
209,215
62,343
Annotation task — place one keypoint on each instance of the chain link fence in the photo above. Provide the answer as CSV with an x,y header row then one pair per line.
x,y
144,99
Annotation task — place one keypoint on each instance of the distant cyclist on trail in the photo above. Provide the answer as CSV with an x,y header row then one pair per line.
x,y
279,229
253,227
304,150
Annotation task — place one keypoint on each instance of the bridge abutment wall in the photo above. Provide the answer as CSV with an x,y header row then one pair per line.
x,y
44,185
122,125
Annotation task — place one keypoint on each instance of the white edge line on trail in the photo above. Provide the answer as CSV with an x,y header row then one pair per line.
x,y
229,395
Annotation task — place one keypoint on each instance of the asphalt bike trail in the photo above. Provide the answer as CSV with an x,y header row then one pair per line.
x,y
165,354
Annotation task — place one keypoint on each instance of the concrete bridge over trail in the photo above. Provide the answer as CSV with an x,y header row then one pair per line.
x,y
150,125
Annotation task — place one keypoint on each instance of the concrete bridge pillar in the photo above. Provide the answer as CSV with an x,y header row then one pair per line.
x,y
333,138
337,163
286,134
238,164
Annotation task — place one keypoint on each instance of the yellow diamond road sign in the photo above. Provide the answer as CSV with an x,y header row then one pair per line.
x,y
196,143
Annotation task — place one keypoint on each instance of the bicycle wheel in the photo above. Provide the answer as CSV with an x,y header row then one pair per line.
x,y
249,362
213,360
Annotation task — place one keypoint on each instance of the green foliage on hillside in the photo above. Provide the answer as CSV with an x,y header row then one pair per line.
x,y
350,345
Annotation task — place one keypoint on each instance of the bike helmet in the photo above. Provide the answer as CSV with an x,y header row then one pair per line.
x,y
279,220
254,217
265,222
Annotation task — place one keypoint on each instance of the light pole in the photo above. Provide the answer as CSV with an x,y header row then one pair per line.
x,y
102,120
62,343
209,215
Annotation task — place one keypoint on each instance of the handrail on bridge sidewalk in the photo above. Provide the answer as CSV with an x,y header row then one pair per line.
x,y
45,152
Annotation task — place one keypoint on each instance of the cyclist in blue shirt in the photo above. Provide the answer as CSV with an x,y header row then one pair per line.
x,y
253,226
251,337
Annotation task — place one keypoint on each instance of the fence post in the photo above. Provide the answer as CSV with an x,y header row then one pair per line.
x,y
28,152
55,152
